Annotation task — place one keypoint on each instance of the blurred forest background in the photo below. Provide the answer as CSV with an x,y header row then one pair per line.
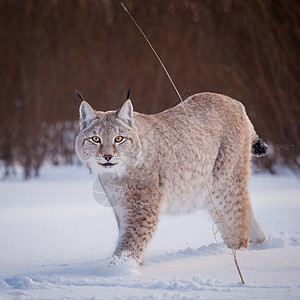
x,y
248,50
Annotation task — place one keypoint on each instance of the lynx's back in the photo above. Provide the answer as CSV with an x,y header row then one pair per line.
x,y
182,145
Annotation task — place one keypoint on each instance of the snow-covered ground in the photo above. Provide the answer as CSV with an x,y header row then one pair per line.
x,y
55,241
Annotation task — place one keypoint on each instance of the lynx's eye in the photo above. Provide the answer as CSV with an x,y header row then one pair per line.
x,y
119,139
96,139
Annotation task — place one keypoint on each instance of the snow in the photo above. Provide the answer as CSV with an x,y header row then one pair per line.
x,y
56,242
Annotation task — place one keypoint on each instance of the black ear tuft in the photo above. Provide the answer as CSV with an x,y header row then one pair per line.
x,y
79,95
128,93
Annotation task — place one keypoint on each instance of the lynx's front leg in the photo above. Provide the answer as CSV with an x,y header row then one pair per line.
x,y
138,215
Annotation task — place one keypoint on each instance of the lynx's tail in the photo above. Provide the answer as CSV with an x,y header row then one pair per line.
x,y
259,148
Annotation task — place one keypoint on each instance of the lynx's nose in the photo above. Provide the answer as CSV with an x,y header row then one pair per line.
x,y
107,157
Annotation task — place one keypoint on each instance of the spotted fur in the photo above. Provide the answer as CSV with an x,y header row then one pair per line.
x,y
157,169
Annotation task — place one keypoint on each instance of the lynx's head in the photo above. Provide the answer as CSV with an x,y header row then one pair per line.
x,y
107,141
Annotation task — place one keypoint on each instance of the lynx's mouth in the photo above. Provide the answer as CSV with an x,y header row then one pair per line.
x,y
108,165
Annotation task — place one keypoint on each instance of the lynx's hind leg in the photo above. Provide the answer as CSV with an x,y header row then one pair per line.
x,y
255,233
230,193
232,206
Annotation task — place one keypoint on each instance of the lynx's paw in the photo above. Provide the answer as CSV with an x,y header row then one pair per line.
x,y
238,243
257,237
118,266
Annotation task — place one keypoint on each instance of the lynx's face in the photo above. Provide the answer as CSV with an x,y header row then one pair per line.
x,y
108,141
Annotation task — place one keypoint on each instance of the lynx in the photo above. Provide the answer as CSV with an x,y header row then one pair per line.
x,y
159,163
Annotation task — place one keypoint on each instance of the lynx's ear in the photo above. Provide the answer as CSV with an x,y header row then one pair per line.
x,y
87,114
125,113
